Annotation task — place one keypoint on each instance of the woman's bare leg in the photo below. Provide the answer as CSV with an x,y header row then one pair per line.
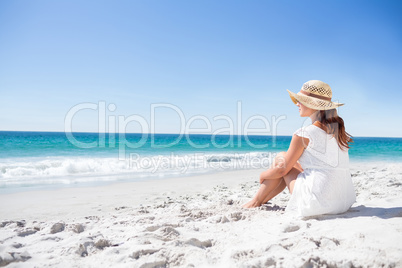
x,y
272,187
275,192
269,187
290,178
265,190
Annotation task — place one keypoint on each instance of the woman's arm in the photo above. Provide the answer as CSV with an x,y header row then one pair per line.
x,y
284,163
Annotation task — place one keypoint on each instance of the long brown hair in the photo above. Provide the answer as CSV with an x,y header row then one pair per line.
x,y
333,124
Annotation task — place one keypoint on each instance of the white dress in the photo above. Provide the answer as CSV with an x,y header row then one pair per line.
x,y
325,186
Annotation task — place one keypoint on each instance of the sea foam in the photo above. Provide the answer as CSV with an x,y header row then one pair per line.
x,y
70,170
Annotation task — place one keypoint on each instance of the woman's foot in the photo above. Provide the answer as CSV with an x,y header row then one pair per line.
x,y
251,204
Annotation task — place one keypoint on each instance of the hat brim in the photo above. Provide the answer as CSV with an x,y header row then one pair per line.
x,y
313,103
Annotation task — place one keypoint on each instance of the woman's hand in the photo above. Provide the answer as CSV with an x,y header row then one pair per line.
x,y
285,161
278,163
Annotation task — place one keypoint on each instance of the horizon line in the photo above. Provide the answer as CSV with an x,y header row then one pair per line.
x,y
161,133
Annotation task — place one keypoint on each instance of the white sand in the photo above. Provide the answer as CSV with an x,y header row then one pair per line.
x,y
198,222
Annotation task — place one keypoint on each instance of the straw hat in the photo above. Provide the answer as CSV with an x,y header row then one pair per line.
x,y
316,95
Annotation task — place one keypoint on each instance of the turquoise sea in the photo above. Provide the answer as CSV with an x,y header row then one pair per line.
x,y
37,160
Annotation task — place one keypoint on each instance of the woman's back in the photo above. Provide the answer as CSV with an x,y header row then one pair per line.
x,y
322,151
325,185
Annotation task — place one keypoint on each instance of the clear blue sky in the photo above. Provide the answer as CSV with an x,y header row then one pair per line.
x,y
200,56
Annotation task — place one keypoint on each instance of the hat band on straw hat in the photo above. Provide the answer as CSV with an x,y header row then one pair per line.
x,y
315,95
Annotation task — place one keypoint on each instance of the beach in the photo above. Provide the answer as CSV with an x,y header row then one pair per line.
x,y
132,133
197,221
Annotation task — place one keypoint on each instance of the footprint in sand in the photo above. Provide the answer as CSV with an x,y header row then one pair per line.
x,y
17,223
164,232
237,216
200,244
325,242
291,228
102,243
243,254
17,245
318,262
83,248
11,257
26,233
170,231
120,208
153,228
155,264
57,227
77,228
93,218
139,253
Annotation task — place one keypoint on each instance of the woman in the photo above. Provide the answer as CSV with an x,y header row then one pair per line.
x,y
316,166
